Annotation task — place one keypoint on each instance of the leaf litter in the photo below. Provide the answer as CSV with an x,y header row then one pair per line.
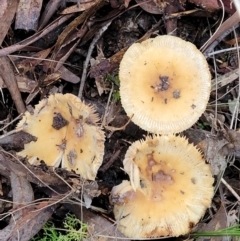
x,y
44,45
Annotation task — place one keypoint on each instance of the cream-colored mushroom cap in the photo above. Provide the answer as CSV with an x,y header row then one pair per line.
x,y
164,84
169,190
66,130
85,141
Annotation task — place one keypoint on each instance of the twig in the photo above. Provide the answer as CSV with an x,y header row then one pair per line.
x,y
230,189
35,37
222,51
10,81
15,119
106,166
22,164
90,50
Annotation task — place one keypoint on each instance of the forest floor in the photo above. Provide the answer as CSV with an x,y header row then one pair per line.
x,y
50,47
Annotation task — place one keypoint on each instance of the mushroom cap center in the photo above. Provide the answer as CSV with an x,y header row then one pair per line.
x,y
166,83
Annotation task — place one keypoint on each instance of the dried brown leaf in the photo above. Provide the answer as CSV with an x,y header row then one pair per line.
x,y
219,221
65,52
24,84
7,13
234,137
212,149
34,175
70,34
229,6
98,226
21,189
224,79
28,221
7,74
68,76
150,6
31,60
112,63
78,8
228,24
51,7
210,5
28,13
35,37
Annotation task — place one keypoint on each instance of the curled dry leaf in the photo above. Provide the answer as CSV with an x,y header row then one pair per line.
x,y
215,153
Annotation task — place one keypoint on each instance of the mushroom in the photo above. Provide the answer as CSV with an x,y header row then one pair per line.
x,y
169,190
66,130
164,84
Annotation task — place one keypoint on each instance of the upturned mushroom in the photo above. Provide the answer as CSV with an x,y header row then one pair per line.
x,y
67,131
164,84
169,190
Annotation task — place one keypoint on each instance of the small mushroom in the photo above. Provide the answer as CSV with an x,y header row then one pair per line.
x,y
66,130
169,190
164,84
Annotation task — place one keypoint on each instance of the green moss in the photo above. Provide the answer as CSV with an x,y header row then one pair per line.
x,y
116,82
73,230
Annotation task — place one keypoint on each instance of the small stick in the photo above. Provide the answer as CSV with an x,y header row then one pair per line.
x,y
106,166
230,189
10,81
89,54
